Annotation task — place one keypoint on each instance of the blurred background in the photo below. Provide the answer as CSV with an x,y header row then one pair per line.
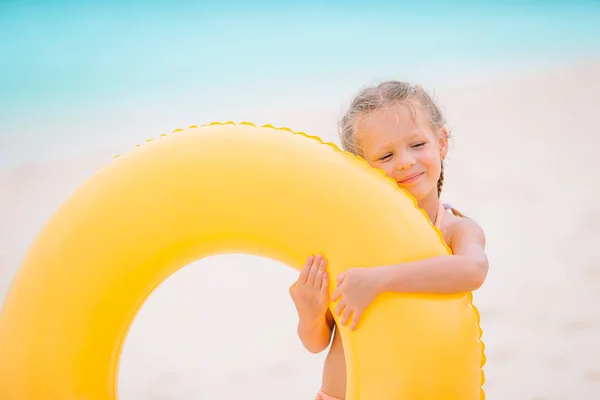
x,y
82,81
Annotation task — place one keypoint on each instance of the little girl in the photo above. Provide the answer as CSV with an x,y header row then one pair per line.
x,y
398,128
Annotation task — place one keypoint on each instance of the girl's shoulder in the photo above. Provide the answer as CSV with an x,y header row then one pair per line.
x,y
460,231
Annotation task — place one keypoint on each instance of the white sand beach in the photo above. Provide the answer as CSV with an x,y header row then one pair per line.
x,y
523,163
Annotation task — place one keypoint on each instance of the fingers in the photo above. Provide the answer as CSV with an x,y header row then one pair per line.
x,y
337,292
355,320
320,273
325,283
349,313
339,307
340,277
345,316
305,270
314,269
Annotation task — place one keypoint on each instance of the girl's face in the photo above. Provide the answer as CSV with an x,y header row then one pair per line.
x,y
406,148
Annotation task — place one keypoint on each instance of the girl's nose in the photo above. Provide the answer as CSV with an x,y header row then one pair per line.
x,y
405,161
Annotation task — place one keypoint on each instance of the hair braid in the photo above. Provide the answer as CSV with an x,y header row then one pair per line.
x,y
440,184
440,181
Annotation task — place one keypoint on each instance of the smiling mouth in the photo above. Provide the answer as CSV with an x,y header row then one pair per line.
x,y
411,178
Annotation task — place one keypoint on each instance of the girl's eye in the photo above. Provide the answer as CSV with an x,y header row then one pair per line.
x,y
387,156
419,145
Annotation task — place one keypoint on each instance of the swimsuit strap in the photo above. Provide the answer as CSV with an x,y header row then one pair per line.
x,y
440,214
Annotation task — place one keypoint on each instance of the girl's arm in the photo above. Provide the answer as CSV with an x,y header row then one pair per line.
x,y
316,335
463,271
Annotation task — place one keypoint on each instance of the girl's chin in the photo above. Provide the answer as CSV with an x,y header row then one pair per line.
x,y
419,193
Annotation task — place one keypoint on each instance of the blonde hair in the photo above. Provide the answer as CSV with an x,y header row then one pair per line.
x,y
385,94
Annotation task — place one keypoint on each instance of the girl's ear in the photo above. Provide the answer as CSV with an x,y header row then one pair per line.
x,y
443,142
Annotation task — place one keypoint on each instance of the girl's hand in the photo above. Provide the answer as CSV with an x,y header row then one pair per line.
x,y
310,292
357,288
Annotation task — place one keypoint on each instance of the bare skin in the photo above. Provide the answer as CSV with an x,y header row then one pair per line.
x,y
316,325
411,154
315,333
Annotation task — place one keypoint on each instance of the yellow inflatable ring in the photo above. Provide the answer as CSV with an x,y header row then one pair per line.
x,y
229,188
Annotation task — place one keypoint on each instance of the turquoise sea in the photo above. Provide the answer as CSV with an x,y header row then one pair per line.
x,y
75,74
